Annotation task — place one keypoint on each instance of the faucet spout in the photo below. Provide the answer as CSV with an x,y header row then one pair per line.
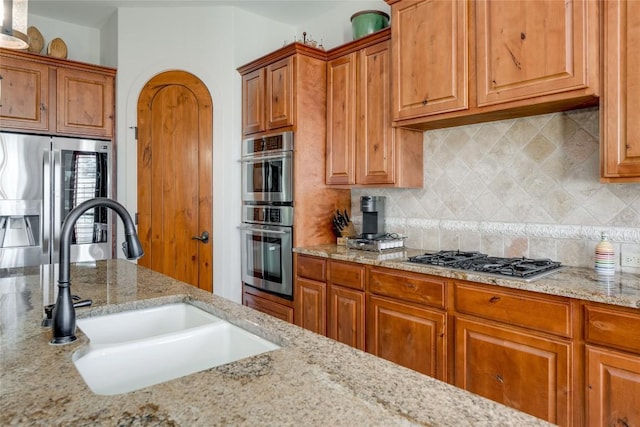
x,y
64,314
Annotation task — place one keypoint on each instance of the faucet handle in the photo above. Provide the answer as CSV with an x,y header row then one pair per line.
x,y
48,309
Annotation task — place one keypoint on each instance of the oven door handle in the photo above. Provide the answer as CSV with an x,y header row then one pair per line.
x,y
261,230
267,157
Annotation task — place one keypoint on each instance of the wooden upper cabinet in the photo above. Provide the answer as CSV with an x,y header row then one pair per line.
x,y
362,147
280,105
620,103
463,62
24,99
268,97
341,119
430,59
253,108
532,48
55,96
86,103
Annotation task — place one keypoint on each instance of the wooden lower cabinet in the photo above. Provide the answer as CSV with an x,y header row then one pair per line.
x,y
612,358
523,370
407,334
310,305
346,319
267,303
613,388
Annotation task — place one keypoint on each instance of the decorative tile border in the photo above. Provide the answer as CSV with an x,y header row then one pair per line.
x,y
583,232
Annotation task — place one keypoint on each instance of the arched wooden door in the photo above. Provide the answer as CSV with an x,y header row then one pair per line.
x,y
175,136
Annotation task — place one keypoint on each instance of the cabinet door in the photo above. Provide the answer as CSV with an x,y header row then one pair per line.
x,y
430,57
408,335
269,307
280,106
375,141
620,103
531,48
341,125
24,96
346,316
527,372
253,91
613,388
85,103
310,305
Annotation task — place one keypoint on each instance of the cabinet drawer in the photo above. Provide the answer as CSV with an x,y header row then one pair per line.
x,y
546,314
347,274
312,268
407,286
614,327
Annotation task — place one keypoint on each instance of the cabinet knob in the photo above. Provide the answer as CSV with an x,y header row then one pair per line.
x,y
425,102
43,108
494,299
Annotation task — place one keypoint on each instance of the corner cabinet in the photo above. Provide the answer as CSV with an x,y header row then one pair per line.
x,y
620,103
462,62
362,147
54,96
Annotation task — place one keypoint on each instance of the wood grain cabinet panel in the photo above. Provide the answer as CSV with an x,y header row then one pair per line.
x,y
347,274
530,48
527,372
407,334
430,57
543,313
24,99
620,104
612,360
86,103
613,388
311,267
310,305
346,319
462,62
253,105
280,93
362,146
418,288
266,303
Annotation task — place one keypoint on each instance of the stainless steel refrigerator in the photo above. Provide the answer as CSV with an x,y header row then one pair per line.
x,y
42,179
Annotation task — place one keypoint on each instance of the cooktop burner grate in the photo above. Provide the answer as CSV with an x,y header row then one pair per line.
x,y
524,268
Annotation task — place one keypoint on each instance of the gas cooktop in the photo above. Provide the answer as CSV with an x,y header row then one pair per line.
x,y
522,268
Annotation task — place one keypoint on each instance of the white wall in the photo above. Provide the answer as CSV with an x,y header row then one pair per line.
x,y
334,28
83,43
212,46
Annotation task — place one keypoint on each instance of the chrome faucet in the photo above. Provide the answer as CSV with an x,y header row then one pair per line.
x,y
64,313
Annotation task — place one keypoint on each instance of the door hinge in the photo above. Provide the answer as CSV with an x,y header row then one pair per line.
x,y
135,131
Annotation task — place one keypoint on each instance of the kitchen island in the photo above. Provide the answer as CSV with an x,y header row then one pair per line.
x,y
310,380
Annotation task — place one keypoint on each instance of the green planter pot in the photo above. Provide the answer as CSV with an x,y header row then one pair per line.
x,y
367,22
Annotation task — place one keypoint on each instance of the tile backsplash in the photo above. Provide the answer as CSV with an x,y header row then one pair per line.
x,y
521,187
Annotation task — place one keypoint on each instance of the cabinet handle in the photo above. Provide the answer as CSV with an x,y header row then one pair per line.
x,y
425,102
499,379
43,108
494,299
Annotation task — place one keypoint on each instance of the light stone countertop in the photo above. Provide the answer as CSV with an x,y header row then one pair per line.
x,y
310,381
622,289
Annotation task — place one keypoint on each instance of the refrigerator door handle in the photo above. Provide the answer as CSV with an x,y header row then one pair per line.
x,y
56,204
45,215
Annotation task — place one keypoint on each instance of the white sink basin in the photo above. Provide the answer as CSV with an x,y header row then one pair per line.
x,y
144,323
165,354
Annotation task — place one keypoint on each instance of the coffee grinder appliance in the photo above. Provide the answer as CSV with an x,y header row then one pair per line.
x,y
374,237
372,208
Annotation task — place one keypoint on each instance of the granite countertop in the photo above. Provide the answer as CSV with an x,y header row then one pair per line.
x,y
622,289
311,380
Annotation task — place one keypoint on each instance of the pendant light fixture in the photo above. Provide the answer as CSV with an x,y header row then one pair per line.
x,y
13,16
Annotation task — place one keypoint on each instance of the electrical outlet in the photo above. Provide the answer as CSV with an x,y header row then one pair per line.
x,y
630,260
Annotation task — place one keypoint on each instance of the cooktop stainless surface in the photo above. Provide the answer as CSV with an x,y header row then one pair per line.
x,y
527,269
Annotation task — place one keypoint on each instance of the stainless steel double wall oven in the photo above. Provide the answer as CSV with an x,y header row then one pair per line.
x,y
267,213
